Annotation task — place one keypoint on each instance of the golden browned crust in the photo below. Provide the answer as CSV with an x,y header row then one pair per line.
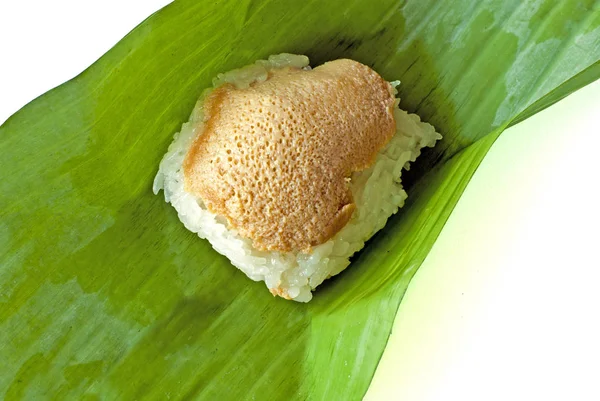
x,y
275,158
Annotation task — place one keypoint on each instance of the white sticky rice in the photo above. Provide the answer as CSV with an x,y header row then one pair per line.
x,y
377,192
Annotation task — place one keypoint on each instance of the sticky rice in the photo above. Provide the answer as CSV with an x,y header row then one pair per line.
x,y
377,194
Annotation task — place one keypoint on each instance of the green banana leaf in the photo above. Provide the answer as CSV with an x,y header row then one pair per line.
x,y
105,295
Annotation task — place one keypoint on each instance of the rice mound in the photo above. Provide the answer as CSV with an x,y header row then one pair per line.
x,y
377,193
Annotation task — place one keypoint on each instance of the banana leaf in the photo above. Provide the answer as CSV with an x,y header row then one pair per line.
x,y
105,295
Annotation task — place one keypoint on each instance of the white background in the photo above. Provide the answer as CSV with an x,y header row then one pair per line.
x,y
506,306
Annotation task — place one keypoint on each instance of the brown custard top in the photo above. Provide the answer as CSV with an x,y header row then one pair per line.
x,y
275,159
